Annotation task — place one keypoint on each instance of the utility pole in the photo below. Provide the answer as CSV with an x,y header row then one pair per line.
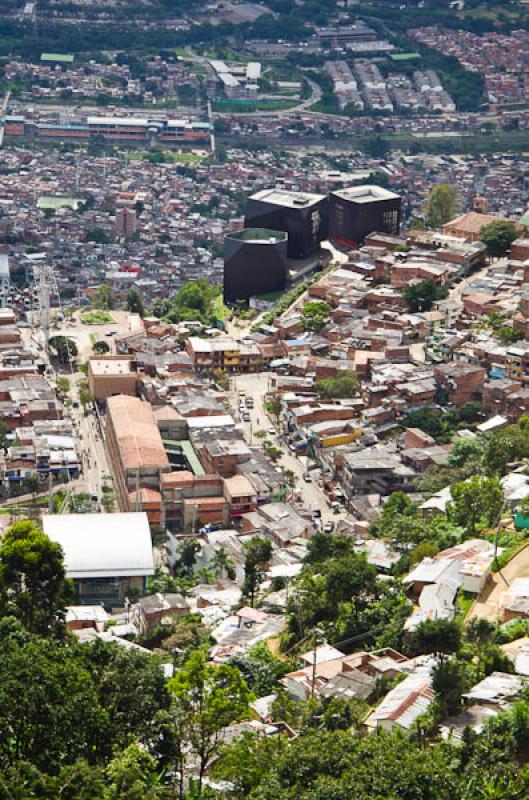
x,y
317,635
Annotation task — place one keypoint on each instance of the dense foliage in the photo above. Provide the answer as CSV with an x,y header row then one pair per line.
x,y
422,295
194,301
339,593
441,205
344,385
498,236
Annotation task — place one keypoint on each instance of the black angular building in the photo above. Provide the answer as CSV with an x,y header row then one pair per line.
x,y
302,215
360,210
255,262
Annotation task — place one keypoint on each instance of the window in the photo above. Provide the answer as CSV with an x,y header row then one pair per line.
x,y
390,220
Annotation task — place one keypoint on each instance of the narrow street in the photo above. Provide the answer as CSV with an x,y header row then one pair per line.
x,y
92,450
256,386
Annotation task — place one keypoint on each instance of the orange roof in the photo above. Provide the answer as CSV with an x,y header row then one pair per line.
x,y
472,222
205,502
146,496
138,438
177,478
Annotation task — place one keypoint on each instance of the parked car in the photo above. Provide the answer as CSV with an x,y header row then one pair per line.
x,y
271,430
307,478
210,528
316,513
328,527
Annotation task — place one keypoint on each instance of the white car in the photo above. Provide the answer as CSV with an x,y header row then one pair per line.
x,y
271,430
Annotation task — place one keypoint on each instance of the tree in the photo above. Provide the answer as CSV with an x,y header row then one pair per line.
x,y
33,583
133,775
257,553
261,669
3,435
474,500
65,348
104,297
439,636
207,699
273,452
245,761
338,591
48,704
498,236
97,235
222,379
376,146
450,678
274,406
79,503
188,554
135,302
85,398
291,478
61,701
506,446
222,563
260,434
63,385
337,765
465,450
441,205
345,384
30,484
422,295
195,300
315,315
108,498
100,348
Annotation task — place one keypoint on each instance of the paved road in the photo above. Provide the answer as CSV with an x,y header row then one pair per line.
x,y
95,465
256,386
89,427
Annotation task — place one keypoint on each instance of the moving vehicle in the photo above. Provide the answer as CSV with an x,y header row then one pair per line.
x,y
328,527
307,477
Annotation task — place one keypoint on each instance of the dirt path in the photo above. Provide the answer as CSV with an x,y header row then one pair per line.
x,y
488,602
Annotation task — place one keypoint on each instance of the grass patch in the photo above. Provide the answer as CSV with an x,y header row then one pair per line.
x,y
219,310
226,54
286,299
511,542
250,107
97,317
464,603
176,157
272,297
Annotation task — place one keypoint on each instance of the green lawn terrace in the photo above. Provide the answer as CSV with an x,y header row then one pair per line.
x,y
54,203
57,58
